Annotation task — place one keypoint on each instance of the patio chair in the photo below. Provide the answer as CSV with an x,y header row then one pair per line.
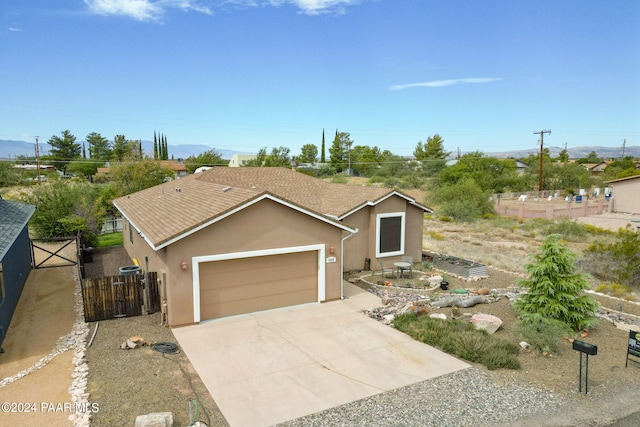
x,y
401,269
387,270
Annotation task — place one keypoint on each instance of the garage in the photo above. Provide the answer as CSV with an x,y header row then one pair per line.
x,y
232,284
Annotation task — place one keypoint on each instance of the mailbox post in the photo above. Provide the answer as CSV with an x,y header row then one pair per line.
x,y
589,350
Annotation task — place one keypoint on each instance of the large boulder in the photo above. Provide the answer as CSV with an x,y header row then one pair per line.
x,y
487,322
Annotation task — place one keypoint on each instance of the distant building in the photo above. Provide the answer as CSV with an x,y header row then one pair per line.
x,y
238,160
625,194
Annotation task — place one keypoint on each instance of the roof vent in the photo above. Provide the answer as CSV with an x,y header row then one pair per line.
x,y
225,189
178,190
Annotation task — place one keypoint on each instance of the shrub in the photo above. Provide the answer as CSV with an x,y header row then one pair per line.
x,y
445,218
435,235
339,179
569,230
460,339
615,290
542,333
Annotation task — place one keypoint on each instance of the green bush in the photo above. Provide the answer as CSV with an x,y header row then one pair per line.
x,y
542,333
461,339
615,290
568,229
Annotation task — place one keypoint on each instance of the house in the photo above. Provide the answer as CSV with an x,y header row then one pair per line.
x,y
15,257
596,168
625,194
236,240
238,160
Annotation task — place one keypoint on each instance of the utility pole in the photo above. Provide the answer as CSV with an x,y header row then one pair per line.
x,y
541,133
37,147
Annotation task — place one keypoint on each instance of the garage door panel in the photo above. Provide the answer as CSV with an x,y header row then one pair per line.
x,y
237,286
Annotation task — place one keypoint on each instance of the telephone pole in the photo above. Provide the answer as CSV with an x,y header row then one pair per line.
x,y
37,147
541,133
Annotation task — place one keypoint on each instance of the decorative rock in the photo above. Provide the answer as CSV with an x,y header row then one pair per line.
x,y
435,280
386,300
438,316
155,419
470,302
388,318
525,345
487,322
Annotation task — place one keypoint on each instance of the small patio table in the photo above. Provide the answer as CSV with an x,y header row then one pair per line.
x,y
402,267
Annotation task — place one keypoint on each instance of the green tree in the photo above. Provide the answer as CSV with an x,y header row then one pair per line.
x,y
555,288
99,147
463,201
130,177
64,208
308,154
8,174
365,160
563,156
63,149
490,174
208,158
124,149
340,150
260,159
592,157
322,158
83,168
279,157
433,149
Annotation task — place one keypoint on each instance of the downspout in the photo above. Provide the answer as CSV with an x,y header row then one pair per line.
x,y
342,262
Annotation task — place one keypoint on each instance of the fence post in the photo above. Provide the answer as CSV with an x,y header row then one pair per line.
x,y
521,210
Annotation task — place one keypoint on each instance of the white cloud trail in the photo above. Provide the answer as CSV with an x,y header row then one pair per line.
x,y
443,83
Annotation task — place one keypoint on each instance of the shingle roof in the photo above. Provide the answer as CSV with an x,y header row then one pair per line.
x,y
13,217
165,212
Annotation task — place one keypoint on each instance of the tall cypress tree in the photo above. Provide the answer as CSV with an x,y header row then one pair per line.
x,y
166,147
155,146
322,159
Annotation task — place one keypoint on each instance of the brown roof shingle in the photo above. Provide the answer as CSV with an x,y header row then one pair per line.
x,y
169,210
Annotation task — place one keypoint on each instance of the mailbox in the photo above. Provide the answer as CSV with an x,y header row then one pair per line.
x,y
585,347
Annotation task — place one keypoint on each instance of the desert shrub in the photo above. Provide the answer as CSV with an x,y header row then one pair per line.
x,y
619,260
339,179
569,230
434,235
445,218
614,289
460,339
542,333
594,230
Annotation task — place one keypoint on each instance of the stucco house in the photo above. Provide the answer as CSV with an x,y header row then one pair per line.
x,y
236,240
15,257
625,194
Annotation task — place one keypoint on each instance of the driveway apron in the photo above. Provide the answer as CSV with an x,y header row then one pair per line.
x,y
269,367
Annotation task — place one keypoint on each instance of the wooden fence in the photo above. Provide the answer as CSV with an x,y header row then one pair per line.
x,y
120,296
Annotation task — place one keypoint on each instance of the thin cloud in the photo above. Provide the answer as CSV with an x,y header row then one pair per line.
x,y
142,10
443,83
318,7
15,29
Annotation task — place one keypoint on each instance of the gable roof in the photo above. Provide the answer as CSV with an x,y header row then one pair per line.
x,y
13,218
161,214
627,178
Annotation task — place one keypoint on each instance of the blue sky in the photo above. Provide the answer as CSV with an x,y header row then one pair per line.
x,y
246,74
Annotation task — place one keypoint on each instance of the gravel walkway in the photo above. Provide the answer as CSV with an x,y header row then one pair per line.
x,y
464,398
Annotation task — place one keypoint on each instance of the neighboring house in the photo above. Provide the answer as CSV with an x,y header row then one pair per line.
x,y
521,167
177,166
15,257
235,240
238,160
596,168
625,194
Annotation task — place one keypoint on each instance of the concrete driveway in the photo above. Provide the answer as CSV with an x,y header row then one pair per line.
x,y
273,366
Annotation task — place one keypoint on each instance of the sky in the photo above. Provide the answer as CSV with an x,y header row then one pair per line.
x,y
245,74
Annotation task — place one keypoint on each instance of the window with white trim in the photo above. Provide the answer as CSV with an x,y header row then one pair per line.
x,y
390,229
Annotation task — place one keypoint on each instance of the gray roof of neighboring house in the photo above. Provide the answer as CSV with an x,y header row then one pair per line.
x,y
13,217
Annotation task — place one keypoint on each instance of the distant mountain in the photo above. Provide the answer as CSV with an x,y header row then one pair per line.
x,y
574,153
12,149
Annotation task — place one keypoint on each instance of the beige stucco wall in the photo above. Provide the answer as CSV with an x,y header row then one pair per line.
x,y
363,245
626,196
264,225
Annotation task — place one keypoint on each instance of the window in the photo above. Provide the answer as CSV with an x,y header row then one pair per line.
x,y
390,234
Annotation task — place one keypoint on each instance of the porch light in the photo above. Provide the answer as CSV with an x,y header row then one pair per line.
x,y
184,265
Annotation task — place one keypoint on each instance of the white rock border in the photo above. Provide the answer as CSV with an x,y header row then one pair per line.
x,y
76,341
